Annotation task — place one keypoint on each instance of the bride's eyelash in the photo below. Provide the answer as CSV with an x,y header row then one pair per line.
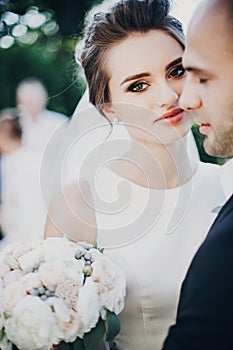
x,y
178,70
137,87
175,72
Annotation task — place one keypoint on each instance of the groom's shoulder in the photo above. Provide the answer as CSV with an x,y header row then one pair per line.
x,y
219,241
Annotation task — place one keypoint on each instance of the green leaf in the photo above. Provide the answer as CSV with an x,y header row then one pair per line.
x,y
217,209
14,347
78,344
112,324
92,338
2,333
64,346
95,246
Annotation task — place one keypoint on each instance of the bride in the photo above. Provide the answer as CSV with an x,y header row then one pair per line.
x,y
151,207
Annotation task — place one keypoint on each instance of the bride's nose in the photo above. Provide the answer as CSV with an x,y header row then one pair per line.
x,y
166,96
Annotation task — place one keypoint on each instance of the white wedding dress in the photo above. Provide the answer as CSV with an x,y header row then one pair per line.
x,y
152,234
153,238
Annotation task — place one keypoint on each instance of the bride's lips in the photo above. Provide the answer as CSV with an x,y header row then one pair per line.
x,y
172,117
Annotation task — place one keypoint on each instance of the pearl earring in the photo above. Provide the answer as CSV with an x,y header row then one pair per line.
x,y
115,119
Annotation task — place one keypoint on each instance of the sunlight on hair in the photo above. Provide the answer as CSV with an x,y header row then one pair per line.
x,y
103,7
183,10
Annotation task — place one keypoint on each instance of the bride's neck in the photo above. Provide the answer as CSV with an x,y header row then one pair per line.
x,y
156,166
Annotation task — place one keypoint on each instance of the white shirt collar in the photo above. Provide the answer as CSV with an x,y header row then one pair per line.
x,y
226,176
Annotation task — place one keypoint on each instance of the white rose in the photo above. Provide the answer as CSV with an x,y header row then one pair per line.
x,y
62,312
12,295
10,249
52,273
95,254
68,321
11,253
70,329
32,325
30,281
111,283
4,268
56,248
30,260
68,290
88,306
5,344
12,276
11,262
1,297
74,270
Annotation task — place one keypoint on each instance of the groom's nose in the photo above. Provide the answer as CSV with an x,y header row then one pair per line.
x,y
190,98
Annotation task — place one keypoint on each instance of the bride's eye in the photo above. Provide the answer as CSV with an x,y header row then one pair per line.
x,y
176,72
138,87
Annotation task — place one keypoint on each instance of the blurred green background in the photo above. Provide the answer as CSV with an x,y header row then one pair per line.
x,y
37,39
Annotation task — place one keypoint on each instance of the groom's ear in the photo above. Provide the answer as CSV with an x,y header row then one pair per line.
x,y
109,111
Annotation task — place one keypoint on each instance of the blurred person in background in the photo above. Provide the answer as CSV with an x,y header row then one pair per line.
x,y
22,212
38,123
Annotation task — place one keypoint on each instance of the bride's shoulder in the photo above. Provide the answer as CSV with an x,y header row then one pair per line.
x,y
71,213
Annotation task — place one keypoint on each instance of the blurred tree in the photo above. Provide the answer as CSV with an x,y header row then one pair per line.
x,y
37,38
69,13
57,72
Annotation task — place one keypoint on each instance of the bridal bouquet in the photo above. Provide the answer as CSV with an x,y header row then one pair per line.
x,y
57,292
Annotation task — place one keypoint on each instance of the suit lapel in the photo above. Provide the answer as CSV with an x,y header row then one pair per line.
x,y
226,209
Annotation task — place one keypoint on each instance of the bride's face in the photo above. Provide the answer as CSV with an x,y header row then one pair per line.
x,y
147,79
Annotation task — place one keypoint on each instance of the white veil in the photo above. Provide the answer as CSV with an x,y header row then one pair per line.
x,y
74,140
86,145
71,144
89,129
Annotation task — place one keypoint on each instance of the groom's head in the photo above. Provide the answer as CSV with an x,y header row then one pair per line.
x,y
208,60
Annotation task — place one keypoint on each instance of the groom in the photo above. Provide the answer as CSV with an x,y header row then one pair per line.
x,y
205,311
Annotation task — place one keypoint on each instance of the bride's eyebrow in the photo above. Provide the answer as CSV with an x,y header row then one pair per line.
x,y
173,63
135,76
147,74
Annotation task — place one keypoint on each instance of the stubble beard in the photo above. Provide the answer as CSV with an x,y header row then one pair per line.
x,y
222,143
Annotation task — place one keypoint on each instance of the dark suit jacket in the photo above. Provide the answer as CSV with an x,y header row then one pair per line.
x,y
205,311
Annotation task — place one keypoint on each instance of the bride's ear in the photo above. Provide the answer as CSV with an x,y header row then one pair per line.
x,y
109,112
